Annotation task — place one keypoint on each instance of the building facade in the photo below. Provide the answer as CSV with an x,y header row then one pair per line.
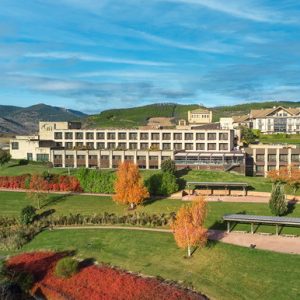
x,y
66,144
200,116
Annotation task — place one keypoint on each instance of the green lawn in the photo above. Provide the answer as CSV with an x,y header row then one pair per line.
x,y
11,204
280,138
220,271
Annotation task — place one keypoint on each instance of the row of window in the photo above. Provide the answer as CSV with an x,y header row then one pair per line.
x,y
144,146
261,169
143,136
282,157
58,157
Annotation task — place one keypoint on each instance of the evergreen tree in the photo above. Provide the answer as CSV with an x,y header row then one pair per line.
x,y
277,203
168,166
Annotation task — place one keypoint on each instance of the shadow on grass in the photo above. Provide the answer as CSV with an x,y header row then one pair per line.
x,y
291,206
153,199
221,225
86,263
54,199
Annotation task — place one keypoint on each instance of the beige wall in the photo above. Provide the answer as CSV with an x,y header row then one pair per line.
x,y
200,117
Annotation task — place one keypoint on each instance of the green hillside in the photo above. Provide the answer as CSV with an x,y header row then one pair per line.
x,y
137,116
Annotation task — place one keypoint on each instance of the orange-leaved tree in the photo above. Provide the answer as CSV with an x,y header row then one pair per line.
x,y
188,226
37,186
129,186
289,175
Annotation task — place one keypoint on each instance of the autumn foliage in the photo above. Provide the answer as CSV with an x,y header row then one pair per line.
x,y
92,282
39,183
289,175
129,186
188,226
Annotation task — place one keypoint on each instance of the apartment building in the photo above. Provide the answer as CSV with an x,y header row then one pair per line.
x,y
263,158
200,116
66,144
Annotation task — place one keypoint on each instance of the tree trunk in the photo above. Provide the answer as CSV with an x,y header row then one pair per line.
x,y
132,205
189,251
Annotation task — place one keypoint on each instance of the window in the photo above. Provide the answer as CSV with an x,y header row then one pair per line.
x,y
132,146
79,135
42,157
200,146
129,158
122,135
89,135
69,145
283,158
223,136
144,136
260,169
90,145
100,146
154,146
188,146
81,157
122,146
270,168
260,157
68,135
295,157
100,136
155,136
200,136
144,146
58,135
92,157
212,136
177,136
133,136
211,146
166,136
166,146
177,146
272,157
15,145
111,136
188,136
111,146
223,146
58,144
29,156
79,144
165,158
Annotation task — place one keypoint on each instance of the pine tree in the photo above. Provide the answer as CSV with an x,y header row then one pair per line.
x,y
277,203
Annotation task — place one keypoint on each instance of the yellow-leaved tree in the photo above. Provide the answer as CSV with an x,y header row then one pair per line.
x,y
188,226
129,186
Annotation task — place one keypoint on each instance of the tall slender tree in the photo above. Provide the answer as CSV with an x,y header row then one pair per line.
x,y
277,203
188,227
129,186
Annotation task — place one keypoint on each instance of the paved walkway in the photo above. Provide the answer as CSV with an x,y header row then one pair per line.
x,y
264,242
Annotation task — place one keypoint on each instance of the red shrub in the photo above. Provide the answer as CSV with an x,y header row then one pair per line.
x,y
93,282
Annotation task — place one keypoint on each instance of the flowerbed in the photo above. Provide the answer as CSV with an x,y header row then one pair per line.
x,y
41,183
92,282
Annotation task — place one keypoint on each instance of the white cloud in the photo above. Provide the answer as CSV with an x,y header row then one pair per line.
x,y
94,58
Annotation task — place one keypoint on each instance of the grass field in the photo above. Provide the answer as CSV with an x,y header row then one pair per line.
x,y
220,271
11,204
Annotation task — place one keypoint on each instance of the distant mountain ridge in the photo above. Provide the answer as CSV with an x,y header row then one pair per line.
x,y
24,120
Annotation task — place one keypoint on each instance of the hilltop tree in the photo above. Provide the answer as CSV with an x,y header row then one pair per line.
x,y
4,157
277,202
188,227
129,186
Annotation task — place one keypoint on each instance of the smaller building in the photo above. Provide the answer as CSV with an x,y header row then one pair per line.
x,y
200,116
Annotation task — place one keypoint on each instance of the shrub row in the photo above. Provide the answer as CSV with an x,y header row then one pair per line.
x,y
41,182
95,181
141,219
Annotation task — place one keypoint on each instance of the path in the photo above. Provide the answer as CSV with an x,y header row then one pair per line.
x,y
264,242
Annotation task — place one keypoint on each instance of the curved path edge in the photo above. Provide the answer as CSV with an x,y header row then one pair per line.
x,y
282,244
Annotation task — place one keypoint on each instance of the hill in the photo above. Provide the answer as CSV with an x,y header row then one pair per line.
x,y
24,120
137,116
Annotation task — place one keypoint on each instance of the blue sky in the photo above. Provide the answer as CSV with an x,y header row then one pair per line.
x,y
92,55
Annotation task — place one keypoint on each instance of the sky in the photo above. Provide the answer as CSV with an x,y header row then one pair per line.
x,y
92,55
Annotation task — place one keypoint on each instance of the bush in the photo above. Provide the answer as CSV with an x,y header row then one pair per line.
x,y
168,166
277,202
95,181
24,281
162,184
66,267
23,162
28,214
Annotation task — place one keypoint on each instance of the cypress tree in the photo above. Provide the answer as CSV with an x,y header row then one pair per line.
x,y
277,202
